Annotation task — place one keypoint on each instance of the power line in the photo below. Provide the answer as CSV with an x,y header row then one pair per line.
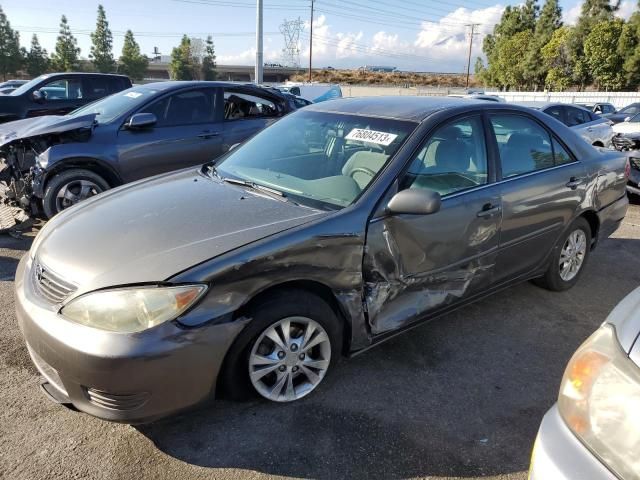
x,y
121,33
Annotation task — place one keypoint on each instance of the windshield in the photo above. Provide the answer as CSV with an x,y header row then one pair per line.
x,y
316,157
27,86
112,107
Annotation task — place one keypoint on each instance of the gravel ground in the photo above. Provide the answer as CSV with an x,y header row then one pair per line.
x,y
461,397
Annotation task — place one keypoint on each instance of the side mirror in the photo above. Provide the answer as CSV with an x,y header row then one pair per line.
x,y
38,96
415,201
140,121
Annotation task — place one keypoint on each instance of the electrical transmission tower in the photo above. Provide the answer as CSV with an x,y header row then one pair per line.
x,y
291,30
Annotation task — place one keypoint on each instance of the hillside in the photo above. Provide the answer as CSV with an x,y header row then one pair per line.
x,y
359,77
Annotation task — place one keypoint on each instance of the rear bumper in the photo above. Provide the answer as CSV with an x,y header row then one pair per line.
x,y
131,378
559,455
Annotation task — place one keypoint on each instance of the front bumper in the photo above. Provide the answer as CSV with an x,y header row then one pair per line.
x,y
559,455
131,378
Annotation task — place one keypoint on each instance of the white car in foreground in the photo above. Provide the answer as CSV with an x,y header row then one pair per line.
x,y
593,431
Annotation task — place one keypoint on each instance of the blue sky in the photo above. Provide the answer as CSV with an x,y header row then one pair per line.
x,y
423,35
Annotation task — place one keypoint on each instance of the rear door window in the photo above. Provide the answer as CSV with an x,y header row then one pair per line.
x,y
577,116
97,87
524,145
239,105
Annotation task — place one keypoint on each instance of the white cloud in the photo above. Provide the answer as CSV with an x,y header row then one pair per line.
x,y
627,7
570,16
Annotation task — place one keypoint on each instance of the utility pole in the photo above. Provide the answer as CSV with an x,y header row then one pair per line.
x,y
259,60
311,41
473,27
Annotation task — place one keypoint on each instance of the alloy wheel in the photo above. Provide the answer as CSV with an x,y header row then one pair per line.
x,y
572,255
289,359
75,191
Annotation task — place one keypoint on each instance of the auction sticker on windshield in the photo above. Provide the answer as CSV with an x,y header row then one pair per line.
x,y
371,136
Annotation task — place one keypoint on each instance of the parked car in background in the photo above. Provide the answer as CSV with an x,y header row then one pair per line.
x,y
58,94
326,233
633,184
56,161
313,92
478,96
593,431
623,113
10,85
627,134
593,128
599,108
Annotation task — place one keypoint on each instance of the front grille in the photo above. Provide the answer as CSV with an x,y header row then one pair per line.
x,y
51,286
114,401
47,371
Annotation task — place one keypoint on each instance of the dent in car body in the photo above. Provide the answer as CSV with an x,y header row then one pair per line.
x,y
326,254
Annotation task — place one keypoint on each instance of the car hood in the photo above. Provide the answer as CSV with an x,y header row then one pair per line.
x,y
626,127
33,127
151,230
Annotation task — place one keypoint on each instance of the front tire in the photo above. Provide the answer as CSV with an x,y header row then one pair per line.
x,y
70,187
286,351
569,258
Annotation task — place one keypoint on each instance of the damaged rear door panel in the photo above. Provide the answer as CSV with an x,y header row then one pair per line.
x,y
418,264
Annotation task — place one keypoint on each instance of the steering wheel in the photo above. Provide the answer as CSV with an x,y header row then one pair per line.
x,y
355,170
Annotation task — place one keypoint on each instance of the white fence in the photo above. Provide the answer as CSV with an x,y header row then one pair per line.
x,y
618,99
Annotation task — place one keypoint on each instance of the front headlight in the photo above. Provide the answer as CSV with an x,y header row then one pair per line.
x,y
132,309
600,401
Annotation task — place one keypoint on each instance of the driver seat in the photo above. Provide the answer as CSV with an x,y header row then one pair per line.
x,y
371,161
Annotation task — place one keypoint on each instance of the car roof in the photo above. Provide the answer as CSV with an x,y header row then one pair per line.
x,y
174,84
82,74
407,108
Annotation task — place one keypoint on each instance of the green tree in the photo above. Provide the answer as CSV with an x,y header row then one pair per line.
x,y
66,56
182,64
11,56
601,54
208,67
514,20
508,59
593,12
629,49
132,62
558,60
549,21
102,44
37,60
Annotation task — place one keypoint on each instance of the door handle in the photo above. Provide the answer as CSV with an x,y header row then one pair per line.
x,y
208,134
488,210
574,182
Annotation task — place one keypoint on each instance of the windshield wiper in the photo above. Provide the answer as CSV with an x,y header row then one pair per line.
x,y
213,172
254,186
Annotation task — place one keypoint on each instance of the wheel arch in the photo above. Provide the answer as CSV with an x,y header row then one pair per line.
x,y
312,287
598,143
94,165
594,222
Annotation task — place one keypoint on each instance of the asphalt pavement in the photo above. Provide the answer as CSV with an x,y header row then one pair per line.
x,y
460,397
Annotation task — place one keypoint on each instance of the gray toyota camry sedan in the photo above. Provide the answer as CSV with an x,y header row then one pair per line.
x,y
325,234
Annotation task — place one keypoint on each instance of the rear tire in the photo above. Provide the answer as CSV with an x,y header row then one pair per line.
x,y
569,258
296,308
70,187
